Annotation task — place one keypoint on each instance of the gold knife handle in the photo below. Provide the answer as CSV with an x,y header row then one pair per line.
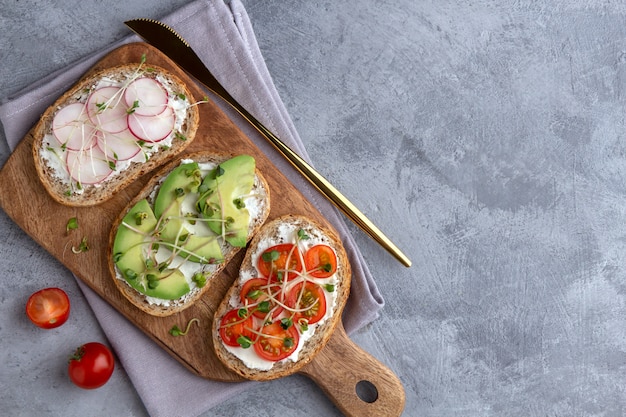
x,y
334,195
325,187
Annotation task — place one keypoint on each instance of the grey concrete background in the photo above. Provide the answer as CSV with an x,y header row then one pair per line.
x,y
486,138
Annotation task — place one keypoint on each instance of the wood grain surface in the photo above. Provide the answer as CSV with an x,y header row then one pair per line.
x,y
25,200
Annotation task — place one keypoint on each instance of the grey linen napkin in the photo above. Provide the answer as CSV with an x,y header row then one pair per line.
x,y
222,36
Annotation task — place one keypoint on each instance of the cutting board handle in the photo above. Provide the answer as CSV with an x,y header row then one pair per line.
x,y
357,383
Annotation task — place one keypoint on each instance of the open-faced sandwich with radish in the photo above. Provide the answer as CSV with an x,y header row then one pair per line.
x,y
110,128
182,229
292,287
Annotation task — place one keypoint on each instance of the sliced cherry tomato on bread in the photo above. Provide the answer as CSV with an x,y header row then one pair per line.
x,y
232,327
48,308
257,294
320,261
275,342
308,301
280,260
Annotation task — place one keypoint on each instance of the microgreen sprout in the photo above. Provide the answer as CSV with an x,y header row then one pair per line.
x,y
175,330
254,294
244,341
286,322
199,279
130,274
263,306
72,224
304,325
288,342
82,247
140,217
101,107
133,107
239,203
271,256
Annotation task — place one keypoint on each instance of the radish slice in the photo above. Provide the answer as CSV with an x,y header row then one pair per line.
x,y
146,96
118,146
152,128
107,109
88,167
72,128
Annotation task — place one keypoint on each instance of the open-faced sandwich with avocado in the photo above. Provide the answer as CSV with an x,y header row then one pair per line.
x,y
109,129
292,287
183,227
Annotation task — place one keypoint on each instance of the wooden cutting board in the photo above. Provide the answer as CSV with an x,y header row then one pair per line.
x,y
25,200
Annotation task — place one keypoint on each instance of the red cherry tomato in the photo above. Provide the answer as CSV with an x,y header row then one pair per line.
x,y
48,308
280,260
279,342
256,292
232,327
91,365
320,261
309,301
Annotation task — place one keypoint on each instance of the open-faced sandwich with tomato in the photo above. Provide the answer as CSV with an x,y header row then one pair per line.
x,y
182,229
109,129
292,287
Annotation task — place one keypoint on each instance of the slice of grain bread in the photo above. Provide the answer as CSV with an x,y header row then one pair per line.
x,y
59,185
260,189
248,269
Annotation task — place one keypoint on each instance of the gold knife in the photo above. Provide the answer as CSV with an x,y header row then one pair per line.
x,y
178,50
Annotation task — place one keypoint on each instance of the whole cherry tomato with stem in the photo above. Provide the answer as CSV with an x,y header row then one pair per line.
x,y
91,365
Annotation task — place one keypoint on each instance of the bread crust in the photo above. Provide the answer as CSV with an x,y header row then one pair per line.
x,y
139,300
322,333
59,189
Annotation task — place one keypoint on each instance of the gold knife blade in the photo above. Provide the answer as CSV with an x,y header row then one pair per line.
x,y
178,50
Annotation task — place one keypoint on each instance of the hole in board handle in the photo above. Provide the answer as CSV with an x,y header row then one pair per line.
x,y
366,391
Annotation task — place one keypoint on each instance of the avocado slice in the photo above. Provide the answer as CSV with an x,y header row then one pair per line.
x,y
182,180
221,199
169,284
180,185
136,227
133,234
